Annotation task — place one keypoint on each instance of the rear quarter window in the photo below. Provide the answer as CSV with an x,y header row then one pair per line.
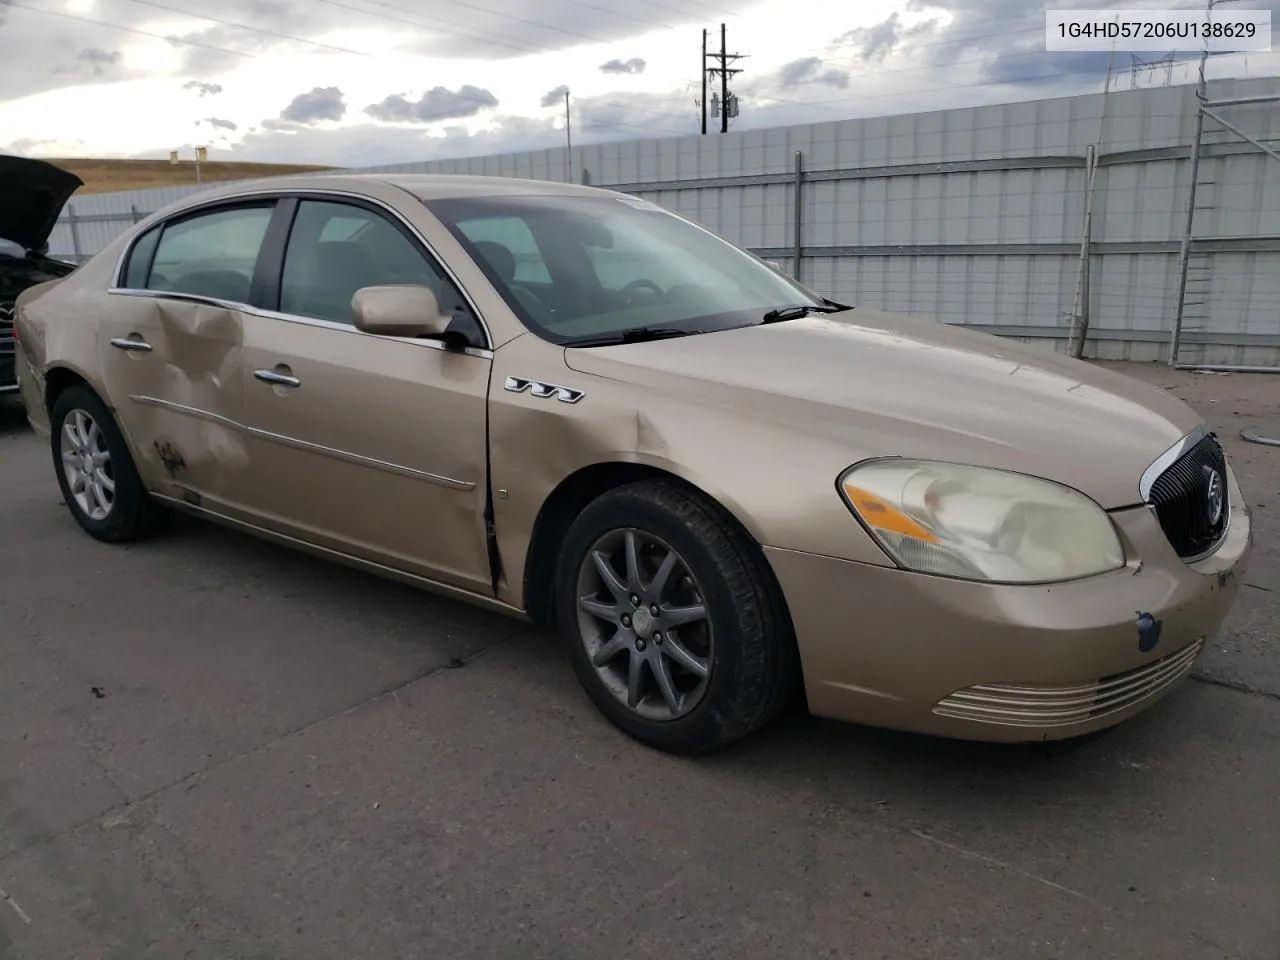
x,y
138,265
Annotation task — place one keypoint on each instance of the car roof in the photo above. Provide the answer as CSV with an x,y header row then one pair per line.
x,y
424,186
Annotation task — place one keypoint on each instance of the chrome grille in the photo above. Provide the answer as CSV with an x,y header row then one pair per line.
x,y
1051,706
1180,498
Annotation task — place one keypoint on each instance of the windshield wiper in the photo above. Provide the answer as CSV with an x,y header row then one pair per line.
x,y
635,335
798,310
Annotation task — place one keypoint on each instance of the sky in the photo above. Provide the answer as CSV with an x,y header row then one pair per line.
x,y
363,82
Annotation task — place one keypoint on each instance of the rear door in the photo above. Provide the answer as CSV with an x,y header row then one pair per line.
x,y
373,446
171,349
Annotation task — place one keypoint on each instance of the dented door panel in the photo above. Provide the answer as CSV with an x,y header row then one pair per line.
x,y
172,368
372,446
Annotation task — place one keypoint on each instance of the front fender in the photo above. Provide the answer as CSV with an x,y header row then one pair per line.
x,y
779,483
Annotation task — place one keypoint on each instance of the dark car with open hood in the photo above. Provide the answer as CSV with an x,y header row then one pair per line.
x,y
32,195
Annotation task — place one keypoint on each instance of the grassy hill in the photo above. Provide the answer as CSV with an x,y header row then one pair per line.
x,y
105,176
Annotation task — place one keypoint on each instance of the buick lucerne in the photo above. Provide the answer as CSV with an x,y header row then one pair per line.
x,y
575,407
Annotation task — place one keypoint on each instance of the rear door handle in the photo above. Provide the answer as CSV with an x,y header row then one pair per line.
x,y
277,379
128,343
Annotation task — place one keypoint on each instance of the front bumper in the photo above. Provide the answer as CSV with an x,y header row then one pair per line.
x,y
8,371
31,389
885,647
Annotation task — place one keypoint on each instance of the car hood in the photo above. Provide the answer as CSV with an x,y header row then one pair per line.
x,y
883,385
32,195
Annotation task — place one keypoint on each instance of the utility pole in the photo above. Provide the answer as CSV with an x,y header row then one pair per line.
x,y
702,68
728,104
724,83
568,137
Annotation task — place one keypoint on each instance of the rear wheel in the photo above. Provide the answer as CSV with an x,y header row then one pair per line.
x,y
96,473
674,624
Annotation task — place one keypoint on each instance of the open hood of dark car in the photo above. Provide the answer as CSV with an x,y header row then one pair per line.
x,y
32,195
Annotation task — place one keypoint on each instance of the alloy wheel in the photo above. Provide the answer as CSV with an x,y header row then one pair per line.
x,y
86,465
644,623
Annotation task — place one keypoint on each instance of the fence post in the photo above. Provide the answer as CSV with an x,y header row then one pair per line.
x,y
74,222
797,251
135,213
586,177
1080,309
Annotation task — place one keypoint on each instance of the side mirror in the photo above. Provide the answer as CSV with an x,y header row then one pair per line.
x,y
774,265
405,310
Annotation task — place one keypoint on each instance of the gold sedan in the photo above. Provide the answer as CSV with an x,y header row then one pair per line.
x,y
573,406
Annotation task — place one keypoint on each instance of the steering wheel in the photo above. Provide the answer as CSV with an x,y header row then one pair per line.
x,y
635,286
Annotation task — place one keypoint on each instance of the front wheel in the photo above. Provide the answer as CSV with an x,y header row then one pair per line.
x,y
673,621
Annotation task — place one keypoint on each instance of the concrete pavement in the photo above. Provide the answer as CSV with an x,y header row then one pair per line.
x,y
211,747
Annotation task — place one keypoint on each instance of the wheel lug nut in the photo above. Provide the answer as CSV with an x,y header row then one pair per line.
x,y
626,620
635,601
640,644
654,610
657,639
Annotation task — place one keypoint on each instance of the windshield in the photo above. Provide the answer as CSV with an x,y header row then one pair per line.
x,y
578,269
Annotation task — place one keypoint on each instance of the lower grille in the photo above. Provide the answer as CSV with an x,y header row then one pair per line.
x,y
1190,499
1058,706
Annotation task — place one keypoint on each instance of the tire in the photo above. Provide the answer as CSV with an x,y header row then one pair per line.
x,y
83,426
744,642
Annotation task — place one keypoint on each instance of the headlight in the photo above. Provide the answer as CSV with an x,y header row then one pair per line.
x,y
981,524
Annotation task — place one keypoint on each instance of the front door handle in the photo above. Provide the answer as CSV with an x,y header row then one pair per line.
x,y
277,379
131,344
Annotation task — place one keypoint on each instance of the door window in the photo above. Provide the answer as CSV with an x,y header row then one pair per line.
x,y
519,260
336,248
211,254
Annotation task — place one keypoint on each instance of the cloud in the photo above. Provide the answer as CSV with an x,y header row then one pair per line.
x,y
632,66
91,62
435,105
368,143
873,44
964,52
98,61
1014,54
553,98
27,146
638,116
219,124
810,70
430,28
40,34
314,106
203,89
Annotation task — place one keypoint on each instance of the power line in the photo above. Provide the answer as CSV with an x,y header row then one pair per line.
x,y
833,104
484,37
133,30
250,29
512,18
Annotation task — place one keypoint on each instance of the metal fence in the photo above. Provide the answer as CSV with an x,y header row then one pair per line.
x,y
973,216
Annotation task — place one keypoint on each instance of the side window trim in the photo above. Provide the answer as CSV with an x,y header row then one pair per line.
x,y
232,203
275,264
269,271
396,220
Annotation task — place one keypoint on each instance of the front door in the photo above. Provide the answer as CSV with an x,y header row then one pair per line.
x,y
369,445
171,350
